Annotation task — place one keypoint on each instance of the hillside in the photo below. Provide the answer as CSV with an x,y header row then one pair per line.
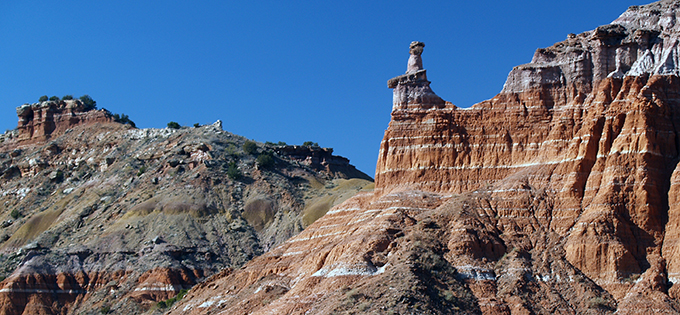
x,y
557,196
101,217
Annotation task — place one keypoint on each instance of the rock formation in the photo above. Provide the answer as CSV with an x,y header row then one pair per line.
x,y
40,121
413,88
415,61
321,159
557,196
100,217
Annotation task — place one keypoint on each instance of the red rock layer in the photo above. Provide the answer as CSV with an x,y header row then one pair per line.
x,y
40,121
64,293
582,204
608,161
559,195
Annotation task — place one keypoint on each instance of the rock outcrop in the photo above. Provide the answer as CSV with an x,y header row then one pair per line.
x,y
559,195
40,121
321,159
413,89
105,218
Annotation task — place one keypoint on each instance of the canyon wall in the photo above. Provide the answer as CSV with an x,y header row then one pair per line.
x,y
558,195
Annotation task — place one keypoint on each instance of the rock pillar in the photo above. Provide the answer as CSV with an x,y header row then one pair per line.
x,y
412,90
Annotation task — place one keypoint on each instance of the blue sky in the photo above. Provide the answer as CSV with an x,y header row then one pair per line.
x,y
273,70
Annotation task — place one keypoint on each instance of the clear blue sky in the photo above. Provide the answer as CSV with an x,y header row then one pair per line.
x,y
273,70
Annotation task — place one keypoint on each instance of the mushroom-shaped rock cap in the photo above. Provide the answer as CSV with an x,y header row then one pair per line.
x,y
416,48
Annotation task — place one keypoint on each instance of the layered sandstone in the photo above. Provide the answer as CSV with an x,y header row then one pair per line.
x,y
559,195
43,120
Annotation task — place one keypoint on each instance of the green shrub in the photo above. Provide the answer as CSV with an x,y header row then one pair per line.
x,y
67,97
105,309
54,98
141,171
310,144
15,214
124,119
196,125
280,143
232,150
249,147
182,293
43,99
265,160
169,302
88,102
174,125
233,172
448,296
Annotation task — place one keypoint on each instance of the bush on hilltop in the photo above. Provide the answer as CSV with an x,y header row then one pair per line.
x,y
88,102
124,119
174,125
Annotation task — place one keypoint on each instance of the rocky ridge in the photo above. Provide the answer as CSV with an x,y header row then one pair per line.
x,y
101,217
559,195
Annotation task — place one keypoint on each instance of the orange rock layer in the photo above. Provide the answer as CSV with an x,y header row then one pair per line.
x,y
64,293
569,216
41,121
560,195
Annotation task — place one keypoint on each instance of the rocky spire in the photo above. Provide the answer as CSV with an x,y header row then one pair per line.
x,y
412,90
415,62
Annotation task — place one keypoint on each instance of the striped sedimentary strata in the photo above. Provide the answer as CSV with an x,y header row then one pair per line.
x,y
313,270
559,195
53,293
593,120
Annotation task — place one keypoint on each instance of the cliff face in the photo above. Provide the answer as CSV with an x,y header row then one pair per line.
x,y
40,121
559,195
591,120
100,216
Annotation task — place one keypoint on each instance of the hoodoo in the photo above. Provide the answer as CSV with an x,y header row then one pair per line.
x,y
412,90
